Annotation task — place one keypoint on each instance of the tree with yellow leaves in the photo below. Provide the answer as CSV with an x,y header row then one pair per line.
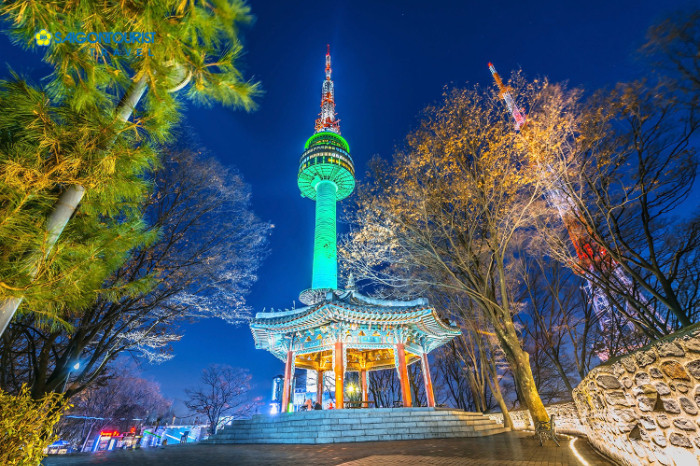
x,y
448,212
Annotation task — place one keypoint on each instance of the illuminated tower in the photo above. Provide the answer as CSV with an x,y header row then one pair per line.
x,y
326,175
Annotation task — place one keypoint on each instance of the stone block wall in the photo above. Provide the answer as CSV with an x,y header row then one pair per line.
x,y
642,408
567,419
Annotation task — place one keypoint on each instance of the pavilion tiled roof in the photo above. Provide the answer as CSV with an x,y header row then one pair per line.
x,y
351,307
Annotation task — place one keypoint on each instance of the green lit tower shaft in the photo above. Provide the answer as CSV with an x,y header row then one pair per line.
x,y
326,175
325,273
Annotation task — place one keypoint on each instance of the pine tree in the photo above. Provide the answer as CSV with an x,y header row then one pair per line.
x,y
77,136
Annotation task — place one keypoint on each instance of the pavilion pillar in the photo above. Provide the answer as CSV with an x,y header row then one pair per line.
x,y
339,368
319,386
363,383
403,375
287,389
427,381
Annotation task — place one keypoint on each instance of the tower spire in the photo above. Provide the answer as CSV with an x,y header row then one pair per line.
x,y
326,120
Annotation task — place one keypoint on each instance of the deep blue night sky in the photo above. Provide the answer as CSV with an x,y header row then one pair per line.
x,y
390,60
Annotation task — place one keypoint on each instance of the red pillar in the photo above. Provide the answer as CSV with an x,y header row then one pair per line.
x,y
286,390
363,382
319,386
427,381
339,375
403,375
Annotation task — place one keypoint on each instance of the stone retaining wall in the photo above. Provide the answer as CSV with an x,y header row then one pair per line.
x,y
567,419
642,408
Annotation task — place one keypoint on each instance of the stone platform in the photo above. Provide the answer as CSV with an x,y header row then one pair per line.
x,y
358,425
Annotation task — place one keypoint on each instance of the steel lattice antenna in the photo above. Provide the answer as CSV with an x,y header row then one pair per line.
x,y
504,92
326,120
326,175
592,256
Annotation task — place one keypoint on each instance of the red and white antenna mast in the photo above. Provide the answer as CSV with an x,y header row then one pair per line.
x,y
326,120
504,92
592,257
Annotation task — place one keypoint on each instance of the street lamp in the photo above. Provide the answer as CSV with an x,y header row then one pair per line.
x,y
74,367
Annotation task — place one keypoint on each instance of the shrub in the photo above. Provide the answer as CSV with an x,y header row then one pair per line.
x,y
26,426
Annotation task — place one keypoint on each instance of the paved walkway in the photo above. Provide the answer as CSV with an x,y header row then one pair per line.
x,y
513,448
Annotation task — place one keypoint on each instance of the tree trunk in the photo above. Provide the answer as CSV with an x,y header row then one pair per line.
x,y
214,419
475,389
518,358
519,362
562,373
492,380
496,390
482,392
65,207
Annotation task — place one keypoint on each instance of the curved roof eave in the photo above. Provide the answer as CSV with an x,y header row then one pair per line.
x,y
425,319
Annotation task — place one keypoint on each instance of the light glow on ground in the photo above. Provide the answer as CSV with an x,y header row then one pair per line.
x,y
576,453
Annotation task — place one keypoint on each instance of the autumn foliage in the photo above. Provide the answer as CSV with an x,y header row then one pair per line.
x,y
449,211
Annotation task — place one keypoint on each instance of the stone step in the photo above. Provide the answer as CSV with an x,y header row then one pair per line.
x,y
369,427
347,428
363,436
358,426
365,418
368,420
380,432
356,438
377,431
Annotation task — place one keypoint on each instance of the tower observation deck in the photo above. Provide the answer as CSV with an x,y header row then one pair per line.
x,y
326,176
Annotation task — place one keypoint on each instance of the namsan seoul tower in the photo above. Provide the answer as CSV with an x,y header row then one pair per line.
x,y
326,176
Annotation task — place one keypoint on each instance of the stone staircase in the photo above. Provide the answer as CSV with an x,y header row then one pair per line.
x,y
358,425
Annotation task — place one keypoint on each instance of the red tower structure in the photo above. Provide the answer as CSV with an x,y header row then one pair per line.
x,y
326,120
592,257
